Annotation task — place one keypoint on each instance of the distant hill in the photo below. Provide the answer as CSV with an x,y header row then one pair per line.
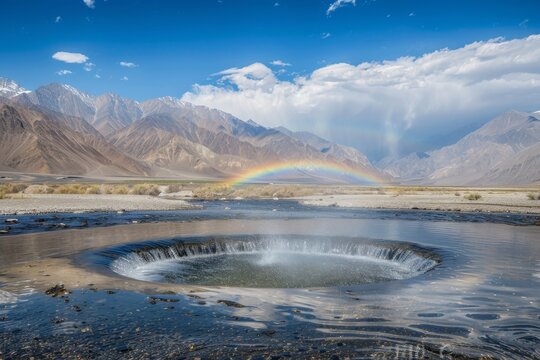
x,y
505,151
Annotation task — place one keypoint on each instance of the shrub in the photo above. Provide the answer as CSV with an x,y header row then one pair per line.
x,y
145,189
10,188
38,189
93,189
120,190
473,196
173,188
2,193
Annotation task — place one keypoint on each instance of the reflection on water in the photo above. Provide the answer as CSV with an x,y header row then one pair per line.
x,y
482,300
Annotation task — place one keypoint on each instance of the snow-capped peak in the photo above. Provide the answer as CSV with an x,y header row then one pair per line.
x,y
9,88
89,100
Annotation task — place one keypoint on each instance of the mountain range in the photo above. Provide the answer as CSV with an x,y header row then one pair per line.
x,y
60,129
504,151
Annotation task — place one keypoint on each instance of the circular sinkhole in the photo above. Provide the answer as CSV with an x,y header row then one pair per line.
x,y
263,261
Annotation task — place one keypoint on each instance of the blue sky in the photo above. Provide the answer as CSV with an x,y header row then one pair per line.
x,y
371,74
178,43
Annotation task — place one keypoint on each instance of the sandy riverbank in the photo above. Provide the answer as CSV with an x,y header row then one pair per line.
x,y
489,201
41,203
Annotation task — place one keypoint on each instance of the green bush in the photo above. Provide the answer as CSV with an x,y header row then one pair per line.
x,y
473,196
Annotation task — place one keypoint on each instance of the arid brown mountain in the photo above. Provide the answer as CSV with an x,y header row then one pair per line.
x,y
45,142
169,137
505,151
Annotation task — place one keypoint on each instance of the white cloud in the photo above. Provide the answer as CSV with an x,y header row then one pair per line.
x,y
394,104
63,72
124,78
326,35
57,19
127,64
97,76
279,63
90,3
89,66
412,14
524,23
276,4
339,3
69,57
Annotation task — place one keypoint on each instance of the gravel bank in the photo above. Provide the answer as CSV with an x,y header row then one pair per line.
x,y
515,202
35,204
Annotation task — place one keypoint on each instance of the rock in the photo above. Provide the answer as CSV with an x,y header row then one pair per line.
x,y
230,303
269,332
76,308
153,299
4,231
57,290
11,221
227,208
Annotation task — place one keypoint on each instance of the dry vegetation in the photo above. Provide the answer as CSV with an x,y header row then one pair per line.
x,y
473,196
220,190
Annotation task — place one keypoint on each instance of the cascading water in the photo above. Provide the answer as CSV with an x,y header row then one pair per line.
x,y
269,261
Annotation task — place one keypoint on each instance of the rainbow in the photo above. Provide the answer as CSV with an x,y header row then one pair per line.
x,y
273,169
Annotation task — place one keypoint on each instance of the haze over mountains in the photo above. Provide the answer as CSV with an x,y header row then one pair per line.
x,y
61,130
504,151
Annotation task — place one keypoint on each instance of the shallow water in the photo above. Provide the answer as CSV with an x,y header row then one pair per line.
x,y
481,300
244,209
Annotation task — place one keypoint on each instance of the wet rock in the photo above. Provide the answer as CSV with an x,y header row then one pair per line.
x,y
269,332
154,299
40,220
11,221
201,302
4,231
123,348
110,292
57,290
76,308
193,296
230,303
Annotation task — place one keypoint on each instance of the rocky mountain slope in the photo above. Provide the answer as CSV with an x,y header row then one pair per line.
x,y
45,142
170,137
505,151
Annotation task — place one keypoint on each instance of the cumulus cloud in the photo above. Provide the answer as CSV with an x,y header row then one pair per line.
x,y
127,64
339,3
325,35
124,78
57,19
69,57
90,3
279,63
63,72
390,106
